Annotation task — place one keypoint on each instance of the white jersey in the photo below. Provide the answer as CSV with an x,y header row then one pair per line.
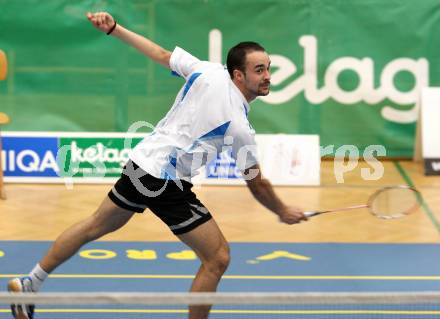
x,y
208,116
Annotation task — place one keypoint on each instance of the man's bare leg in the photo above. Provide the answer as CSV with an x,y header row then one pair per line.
x,y
211,247
106,219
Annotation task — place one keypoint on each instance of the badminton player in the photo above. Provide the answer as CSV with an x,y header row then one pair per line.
x,y
209,113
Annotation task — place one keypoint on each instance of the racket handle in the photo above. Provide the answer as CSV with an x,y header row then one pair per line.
x,y
310,214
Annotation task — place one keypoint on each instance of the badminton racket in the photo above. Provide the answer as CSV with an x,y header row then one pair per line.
x,y
386,203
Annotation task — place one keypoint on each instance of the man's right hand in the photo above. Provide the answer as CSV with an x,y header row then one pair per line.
x,y
103,21
292,215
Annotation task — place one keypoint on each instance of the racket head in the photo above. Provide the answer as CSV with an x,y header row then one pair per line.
x,y
394,202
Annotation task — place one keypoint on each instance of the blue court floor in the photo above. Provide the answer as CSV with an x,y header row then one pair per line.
x,y
255,267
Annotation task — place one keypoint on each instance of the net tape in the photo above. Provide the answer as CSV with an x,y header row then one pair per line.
x,y
131,298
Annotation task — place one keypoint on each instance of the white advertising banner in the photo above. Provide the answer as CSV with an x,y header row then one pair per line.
x,y
430,129
35,157
284,160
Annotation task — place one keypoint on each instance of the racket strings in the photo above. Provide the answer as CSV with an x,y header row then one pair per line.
x,y
394,202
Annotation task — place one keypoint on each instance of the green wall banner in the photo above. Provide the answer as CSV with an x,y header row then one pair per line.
x,y
348,71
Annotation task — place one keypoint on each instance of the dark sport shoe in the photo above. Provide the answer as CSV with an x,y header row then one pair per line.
x,y
21,311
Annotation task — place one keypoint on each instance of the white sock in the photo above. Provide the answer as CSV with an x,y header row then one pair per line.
x,y
38,275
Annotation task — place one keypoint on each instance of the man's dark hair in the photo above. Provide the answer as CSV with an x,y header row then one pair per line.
x,y
236,59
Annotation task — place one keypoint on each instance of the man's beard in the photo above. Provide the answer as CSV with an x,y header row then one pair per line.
x,y
265,91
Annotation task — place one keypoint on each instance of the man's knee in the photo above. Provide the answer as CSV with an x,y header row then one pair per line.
x,y
224,258
220,261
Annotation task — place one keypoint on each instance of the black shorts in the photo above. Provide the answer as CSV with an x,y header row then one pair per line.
x,y
172,201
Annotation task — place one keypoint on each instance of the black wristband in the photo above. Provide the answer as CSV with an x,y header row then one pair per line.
x,y
112,29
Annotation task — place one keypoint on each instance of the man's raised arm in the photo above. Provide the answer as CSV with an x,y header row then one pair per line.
x,y
104,22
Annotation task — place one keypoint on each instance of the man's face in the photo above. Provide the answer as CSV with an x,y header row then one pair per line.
x,y
257,73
